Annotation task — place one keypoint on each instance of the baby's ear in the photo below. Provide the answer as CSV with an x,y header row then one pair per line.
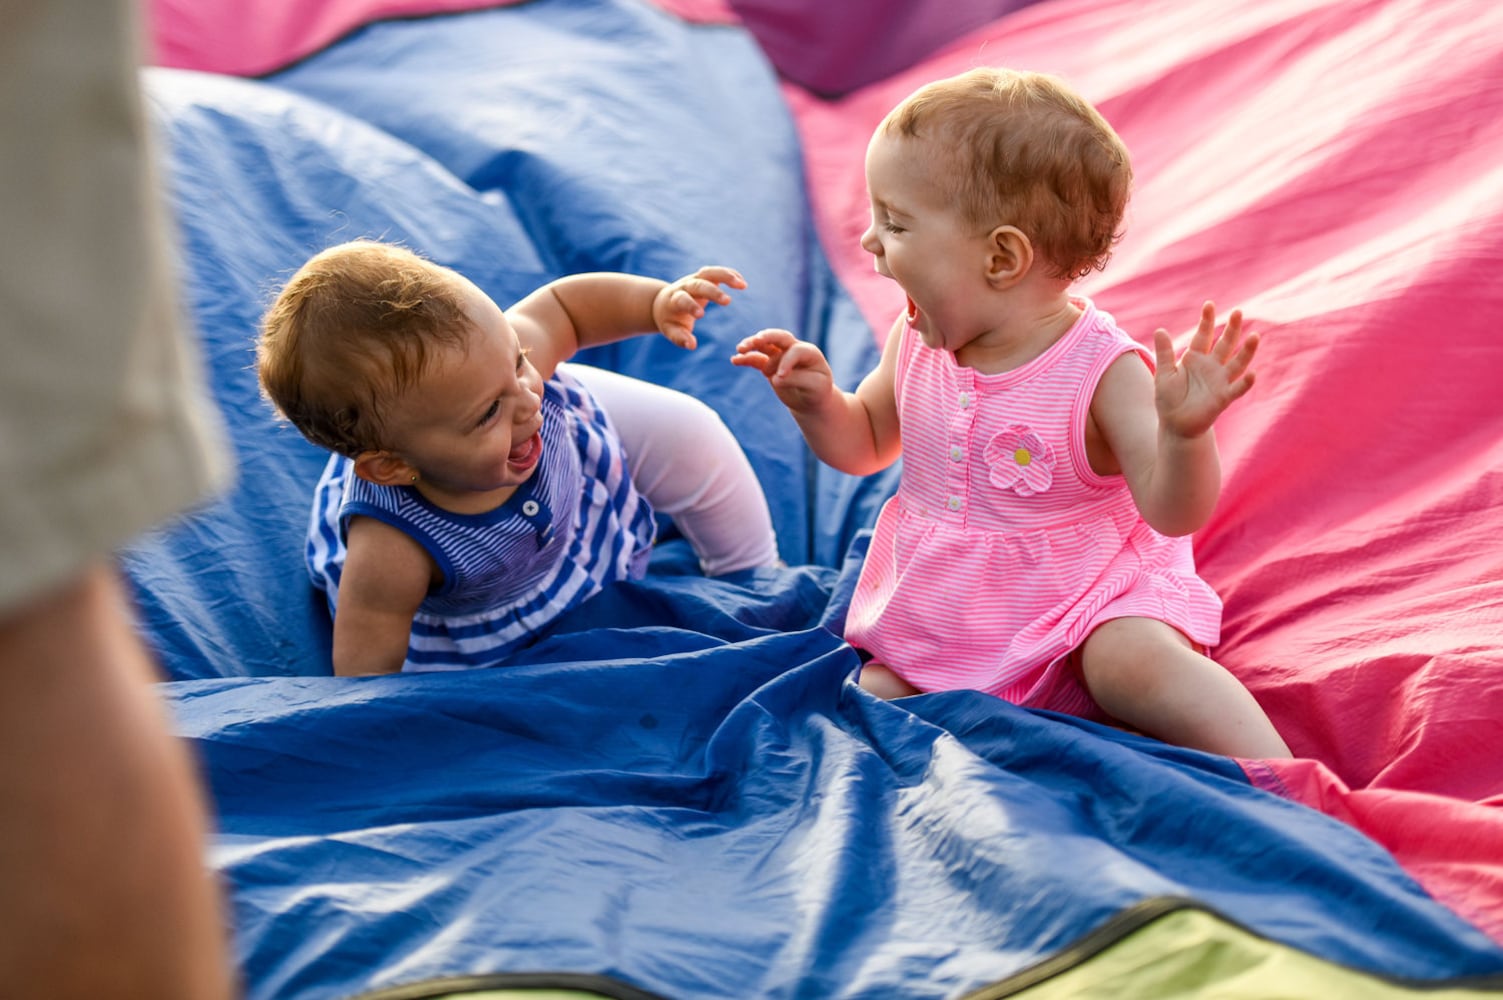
x,y
1009,256
384,468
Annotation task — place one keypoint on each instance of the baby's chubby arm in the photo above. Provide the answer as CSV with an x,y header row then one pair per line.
x,y
386,576
1167,449
584,310
855,432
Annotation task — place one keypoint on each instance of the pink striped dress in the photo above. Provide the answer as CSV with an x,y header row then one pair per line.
x,y
1001,550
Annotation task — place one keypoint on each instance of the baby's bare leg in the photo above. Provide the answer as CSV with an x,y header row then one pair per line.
x,y
882,682
1148,674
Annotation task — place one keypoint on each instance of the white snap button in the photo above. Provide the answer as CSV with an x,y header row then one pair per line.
x,y
530,508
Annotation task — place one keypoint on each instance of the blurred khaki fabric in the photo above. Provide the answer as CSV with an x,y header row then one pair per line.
x,y
104,425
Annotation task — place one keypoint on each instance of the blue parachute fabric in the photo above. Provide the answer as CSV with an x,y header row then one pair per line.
x,y
727,815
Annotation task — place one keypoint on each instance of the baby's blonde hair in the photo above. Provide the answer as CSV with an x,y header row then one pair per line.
x,y
356,324
1023,149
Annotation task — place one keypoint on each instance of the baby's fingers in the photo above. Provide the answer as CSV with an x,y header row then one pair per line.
x,y
762,351
704,285
719,275
1163,352
1239,363
1230,338
771,341
680,334
798,356
754,359
702,290
682,300
1205,333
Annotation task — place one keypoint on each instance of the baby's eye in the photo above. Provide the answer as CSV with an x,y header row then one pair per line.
x,y
490,413
892,227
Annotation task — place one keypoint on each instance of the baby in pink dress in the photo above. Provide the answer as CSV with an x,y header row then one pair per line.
x,y
1038,545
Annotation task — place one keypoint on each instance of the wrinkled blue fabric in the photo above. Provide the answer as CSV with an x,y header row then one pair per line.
x,y
727,815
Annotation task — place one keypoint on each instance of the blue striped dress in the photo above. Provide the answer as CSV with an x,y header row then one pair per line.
x,y
577,524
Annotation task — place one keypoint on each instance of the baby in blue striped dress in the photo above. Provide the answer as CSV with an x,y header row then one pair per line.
x,y
479,487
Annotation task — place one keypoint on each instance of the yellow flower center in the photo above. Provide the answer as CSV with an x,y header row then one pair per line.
x,y
1021,456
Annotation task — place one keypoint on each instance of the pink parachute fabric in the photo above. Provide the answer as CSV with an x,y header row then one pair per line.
x,y
1330,167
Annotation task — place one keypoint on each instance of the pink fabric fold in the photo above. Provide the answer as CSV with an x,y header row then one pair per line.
x,y
1331,167
1450,846
243,39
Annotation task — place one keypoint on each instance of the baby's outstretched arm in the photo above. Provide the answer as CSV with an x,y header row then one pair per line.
x,y
855,432
585,310
1161,435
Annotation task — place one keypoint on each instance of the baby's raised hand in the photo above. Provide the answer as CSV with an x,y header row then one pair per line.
x,y
797,369
682,302
1211,374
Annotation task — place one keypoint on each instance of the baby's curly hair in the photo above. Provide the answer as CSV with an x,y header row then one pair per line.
x,y
354,325
1023,149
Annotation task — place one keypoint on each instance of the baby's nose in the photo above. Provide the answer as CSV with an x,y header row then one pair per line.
x,y
531,402
869,241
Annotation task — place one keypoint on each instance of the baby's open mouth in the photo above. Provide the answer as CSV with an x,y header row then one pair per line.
x,y
525,455
912,309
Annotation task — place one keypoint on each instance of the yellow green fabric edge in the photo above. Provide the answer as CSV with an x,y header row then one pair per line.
x,y
1193,953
